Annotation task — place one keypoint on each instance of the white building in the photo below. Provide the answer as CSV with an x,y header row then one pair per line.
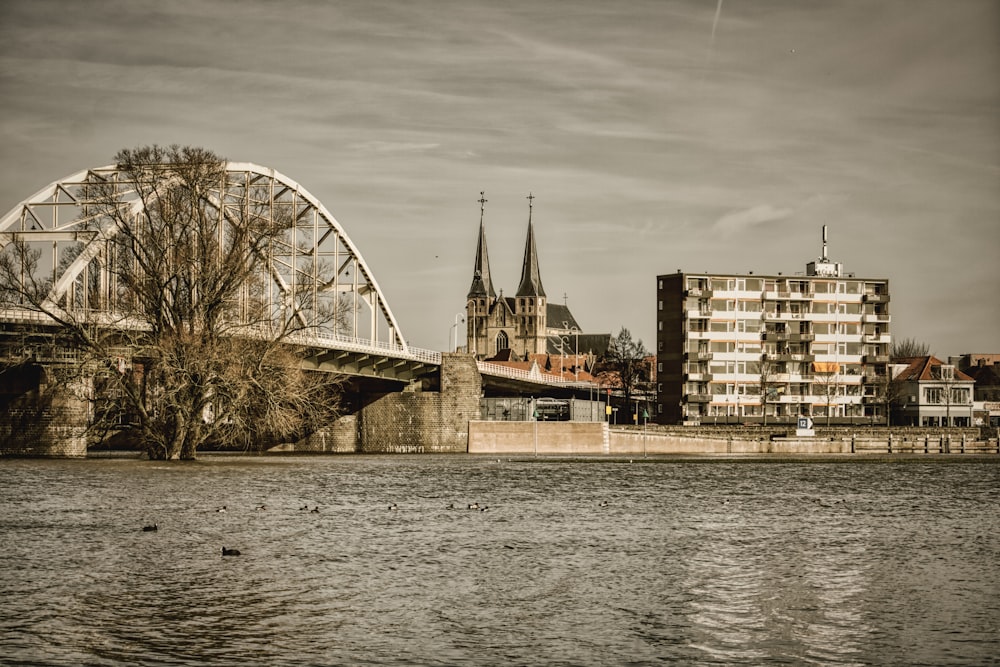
x,y
769,348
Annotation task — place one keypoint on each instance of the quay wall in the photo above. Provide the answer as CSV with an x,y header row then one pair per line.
x,y
548,438
597,439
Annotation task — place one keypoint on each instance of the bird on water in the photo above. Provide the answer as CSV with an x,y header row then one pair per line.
x,y
230,552
150,528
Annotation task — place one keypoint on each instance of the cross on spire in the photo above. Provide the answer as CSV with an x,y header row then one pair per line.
x,y
530,197
482,205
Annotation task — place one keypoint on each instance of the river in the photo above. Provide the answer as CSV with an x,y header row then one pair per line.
x,y
700,561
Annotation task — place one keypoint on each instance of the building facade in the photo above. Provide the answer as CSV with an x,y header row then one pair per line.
x,y
933,393
771,348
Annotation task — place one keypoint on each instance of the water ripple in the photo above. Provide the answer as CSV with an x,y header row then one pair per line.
x,y
695,562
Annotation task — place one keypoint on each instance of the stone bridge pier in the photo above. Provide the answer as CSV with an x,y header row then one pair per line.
x,y
423,418
40,417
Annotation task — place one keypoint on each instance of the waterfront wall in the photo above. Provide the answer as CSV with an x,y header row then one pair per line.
x,y
596,439
548,438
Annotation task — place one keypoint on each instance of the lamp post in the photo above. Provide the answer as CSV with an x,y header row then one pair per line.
x,y
475,316
453,334
576,349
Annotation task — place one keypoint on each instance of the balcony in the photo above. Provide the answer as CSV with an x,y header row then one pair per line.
x,y
875,317
700,292
699,398
875,359
876,338
697,376
697,355
797,356
801,337
779,336
876,298
697,314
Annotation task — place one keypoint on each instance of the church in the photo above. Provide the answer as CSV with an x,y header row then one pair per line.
x,y
527,326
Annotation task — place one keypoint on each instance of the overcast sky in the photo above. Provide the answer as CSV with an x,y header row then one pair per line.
x,y
661,135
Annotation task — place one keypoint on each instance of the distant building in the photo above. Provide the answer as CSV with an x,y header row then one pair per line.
x,y
933,393
985,370
527,325
745,347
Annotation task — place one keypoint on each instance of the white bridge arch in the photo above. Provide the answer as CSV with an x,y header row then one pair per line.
x,y
63,222
59,221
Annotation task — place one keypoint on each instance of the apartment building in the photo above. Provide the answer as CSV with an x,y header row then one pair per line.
x,y
734,348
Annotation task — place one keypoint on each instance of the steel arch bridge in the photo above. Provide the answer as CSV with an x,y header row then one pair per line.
x,y
315,256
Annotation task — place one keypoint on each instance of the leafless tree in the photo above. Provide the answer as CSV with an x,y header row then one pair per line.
x,y
908,347
827,381
888,392
625,361
184,355
768,381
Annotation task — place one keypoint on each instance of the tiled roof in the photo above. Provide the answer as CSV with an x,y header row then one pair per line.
x,y
919,369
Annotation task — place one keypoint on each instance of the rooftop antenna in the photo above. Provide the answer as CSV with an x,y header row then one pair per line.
x,y
824,258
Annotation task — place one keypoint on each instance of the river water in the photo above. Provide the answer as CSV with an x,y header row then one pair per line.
x,y
692,561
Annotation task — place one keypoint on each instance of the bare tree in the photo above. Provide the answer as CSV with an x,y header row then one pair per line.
x,y
888,392
768,382
908,347
625,360
185,346
827,380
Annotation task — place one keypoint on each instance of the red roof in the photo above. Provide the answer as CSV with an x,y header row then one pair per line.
x,y
919,369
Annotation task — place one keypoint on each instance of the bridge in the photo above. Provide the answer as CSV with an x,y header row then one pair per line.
x,y
314,269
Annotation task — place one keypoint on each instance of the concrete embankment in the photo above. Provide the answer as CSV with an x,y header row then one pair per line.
x,y
597,439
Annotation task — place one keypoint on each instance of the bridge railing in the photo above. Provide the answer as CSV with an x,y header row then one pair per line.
x,y
352,344
327,340
521,374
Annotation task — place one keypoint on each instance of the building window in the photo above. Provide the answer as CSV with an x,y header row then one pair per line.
x,y
502,341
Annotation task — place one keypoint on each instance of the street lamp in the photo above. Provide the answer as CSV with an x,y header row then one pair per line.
x,y
576,349
453,334
475,316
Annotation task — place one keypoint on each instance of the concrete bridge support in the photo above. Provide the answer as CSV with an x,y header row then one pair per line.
x,y
413,421
38,418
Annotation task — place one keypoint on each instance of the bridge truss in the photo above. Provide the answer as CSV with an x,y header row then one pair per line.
x,y
313,268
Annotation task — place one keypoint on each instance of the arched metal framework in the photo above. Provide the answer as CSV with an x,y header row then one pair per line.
x,y
315,256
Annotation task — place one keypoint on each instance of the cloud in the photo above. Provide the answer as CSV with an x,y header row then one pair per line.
x,y
736,221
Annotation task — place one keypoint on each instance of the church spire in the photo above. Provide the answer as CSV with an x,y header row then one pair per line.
x,y
482,286
531,279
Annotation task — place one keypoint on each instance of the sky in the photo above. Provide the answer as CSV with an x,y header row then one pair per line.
x,y
655,136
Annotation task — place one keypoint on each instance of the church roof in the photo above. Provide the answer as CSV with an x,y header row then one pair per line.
x,y
482,285
531,279
559,317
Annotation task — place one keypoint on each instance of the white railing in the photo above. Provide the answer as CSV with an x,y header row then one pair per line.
x,y
500,370
326,340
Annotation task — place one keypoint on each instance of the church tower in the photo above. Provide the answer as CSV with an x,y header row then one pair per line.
x,y
530,309
481,296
